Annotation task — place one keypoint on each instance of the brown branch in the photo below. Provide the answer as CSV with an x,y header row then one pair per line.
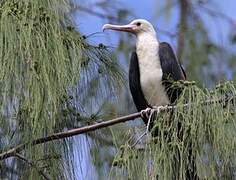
x,y
13,151
45,176
61,135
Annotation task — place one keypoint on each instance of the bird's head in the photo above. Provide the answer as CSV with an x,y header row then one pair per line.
x,y
137,27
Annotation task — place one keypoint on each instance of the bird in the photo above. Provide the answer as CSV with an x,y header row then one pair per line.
x,y
153,68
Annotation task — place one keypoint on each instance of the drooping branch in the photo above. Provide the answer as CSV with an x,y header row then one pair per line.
x,y
73,132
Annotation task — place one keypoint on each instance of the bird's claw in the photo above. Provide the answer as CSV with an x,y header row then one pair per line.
x,y
146,113
159,108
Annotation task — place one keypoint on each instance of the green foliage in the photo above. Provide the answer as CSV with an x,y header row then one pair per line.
x,y
45,66
207,129
52,79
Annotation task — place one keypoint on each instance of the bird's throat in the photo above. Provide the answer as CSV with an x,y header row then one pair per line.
x,y
150,71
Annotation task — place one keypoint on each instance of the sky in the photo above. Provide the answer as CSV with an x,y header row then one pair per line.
x,y
150,10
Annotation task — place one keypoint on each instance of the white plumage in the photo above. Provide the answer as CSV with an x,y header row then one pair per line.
x,y
150,69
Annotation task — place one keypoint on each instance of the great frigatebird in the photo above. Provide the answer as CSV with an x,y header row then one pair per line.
x,y
153,67
152,71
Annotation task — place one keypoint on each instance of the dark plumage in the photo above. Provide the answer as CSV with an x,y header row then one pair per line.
x,y
172,71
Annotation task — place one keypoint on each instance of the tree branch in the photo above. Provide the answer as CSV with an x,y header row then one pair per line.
x,y
61,135
13,151
33,165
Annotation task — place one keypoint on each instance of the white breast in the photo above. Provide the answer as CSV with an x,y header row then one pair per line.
x,y
151,73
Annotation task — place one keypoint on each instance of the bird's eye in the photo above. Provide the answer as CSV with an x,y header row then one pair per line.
x,y
138,23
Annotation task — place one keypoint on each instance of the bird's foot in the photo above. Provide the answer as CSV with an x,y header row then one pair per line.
x,y
146,113
155,109
159,108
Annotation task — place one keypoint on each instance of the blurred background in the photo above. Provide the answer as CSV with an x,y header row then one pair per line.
x,y
202,33
59,71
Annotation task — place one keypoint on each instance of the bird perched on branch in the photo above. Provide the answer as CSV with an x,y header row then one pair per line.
x,y
153,68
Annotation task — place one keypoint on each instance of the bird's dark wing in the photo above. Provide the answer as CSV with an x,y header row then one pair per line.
x,y
134,84
172,71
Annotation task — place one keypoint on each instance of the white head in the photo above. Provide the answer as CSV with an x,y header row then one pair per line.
x,y
137,27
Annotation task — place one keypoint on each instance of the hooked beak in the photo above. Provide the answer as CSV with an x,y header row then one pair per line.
x,y
127,28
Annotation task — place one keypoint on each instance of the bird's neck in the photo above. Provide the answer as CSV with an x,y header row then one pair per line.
x,y
147,47
146,38
150,70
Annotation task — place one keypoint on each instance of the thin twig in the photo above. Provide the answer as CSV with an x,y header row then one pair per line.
x,y
32,164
